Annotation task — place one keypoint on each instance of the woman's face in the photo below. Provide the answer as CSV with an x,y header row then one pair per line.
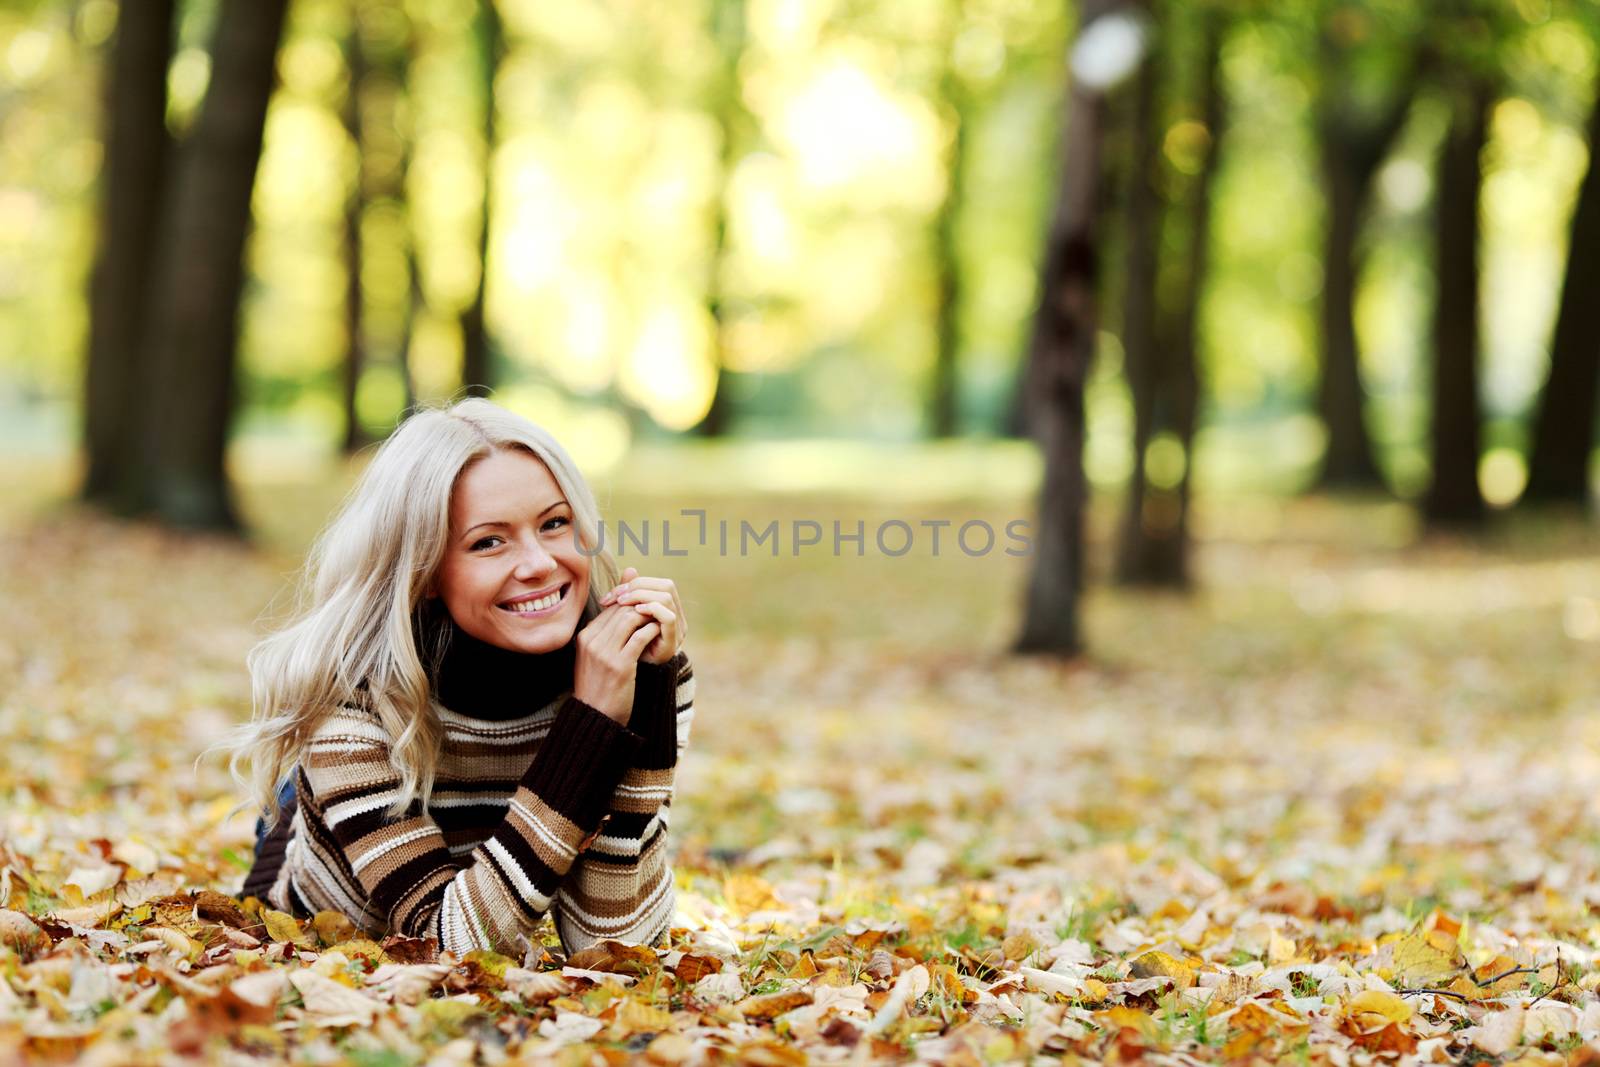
x,y
512,574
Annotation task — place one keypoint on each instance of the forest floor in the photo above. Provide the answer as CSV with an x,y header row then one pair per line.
x,y
1341,804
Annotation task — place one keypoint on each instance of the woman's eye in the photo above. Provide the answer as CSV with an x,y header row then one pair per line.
x,y
483,542
557,522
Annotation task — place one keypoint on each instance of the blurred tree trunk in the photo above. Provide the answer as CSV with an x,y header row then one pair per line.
x,y
194,320
1144,208
943,407
476,366
137,152
1062,344
1352,147
1153,548
1563,433
355,205
1454,496
728,30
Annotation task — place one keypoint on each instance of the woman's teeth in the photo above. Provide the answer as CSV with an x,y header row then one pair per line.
x,y
528,606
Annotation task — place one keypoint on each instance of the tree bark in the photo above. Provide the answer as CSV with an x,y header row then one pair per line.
x,y
200,274
1454,497
1154,547
1563,433
355,356
943,389
728,29
1141,359
476,365
1060,354
1351,149
137,152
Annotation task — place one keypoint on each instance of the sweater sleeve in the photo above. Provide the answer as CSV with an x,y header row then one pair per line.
x,y
621,886
498,894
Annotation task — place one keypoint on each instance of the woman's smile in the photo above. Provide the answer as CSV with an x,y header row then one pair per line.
x,y
539,603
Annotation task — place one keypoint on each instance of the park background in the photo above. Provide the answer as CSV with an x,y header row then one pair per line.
x,y
1277,322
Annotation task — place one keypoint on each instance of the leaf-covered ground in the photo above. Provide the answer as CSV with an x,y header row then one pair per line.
x,y
1342,805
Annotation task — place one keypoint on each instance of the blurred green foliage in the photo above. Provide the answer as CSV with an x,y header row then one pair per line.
x,y
606,178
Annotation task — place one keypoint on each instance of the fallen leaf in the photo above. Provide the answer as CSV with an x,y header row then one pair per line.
x,y
331,1003
286,928
1162,965
760,1009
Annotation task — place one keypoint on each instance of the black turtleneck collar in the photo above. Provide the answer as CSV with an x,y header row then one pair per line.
x,y
487,682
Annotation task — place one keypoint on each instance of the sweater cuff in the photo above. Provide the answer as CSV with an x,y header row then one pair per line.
x,y
580,763
655,712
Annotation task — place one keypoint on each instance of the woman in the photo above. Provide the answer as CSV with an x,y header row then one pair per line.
x,y
471,722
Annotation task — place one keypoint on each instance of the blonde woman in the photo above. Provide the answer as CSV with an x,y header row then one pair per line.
x,y
471,722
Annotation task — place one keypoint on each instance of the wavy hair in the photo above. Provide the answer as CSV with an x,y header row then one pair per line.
x,y
362,631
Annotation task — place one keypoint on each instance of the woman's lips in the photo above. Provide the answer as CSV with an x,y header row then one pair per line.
x,y
512,608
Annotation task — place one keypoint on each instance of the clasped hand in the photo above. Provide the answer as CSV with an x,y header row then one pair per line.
x,y
641,620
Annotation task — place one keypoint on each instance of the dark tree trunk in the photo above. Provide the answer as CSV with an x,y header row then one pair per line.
x,y
1154,548
1351,148
201,270
476,366
1454,496
355,355
1144,207
1563,434
1060,354
1341,401
136,156
728,30
943,413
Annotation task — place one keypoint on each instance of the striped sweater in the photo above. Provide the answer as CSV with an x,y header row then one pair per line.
x,y
540,804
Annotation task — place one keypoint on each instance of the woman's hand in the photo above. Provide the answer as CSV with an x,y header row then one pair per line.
x,y
654,598
608,657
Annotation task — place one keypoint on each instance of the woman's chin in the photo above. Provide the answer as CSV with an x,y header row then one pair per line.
x,y
546,636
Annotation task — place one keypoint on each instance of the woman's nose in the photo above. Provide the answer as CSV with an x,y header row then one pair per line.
x,y
534,561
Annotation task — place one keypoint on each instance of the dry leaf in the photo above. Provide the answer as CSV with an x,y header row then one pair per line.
x,y
758,1009
331,1003
286,928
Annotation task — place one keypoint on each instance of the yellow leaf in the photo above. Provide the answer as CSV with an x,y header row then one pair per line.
x,y
1123,1018
282,926
177,942
636,1017
331,927
1425,959
1373,1008
1161,965
746,893
361,948
492,962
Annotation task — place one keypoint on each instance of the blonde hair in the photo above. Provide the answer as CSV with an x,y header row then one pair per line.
x,y
363,632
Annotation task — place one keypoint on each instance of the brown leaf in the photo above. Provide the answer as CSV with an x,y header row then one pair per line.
x,y
691,969
22,934
220,908
772,1005
1018,947
615,957
410,949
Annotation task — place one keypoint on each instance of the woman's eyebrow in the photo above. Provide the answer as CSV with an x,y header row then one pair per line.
x,y
502,522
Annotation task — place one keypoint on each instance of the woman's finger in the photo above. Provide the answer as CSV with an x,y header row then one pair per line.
x,y
641,639
628,574
650,589
671,632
